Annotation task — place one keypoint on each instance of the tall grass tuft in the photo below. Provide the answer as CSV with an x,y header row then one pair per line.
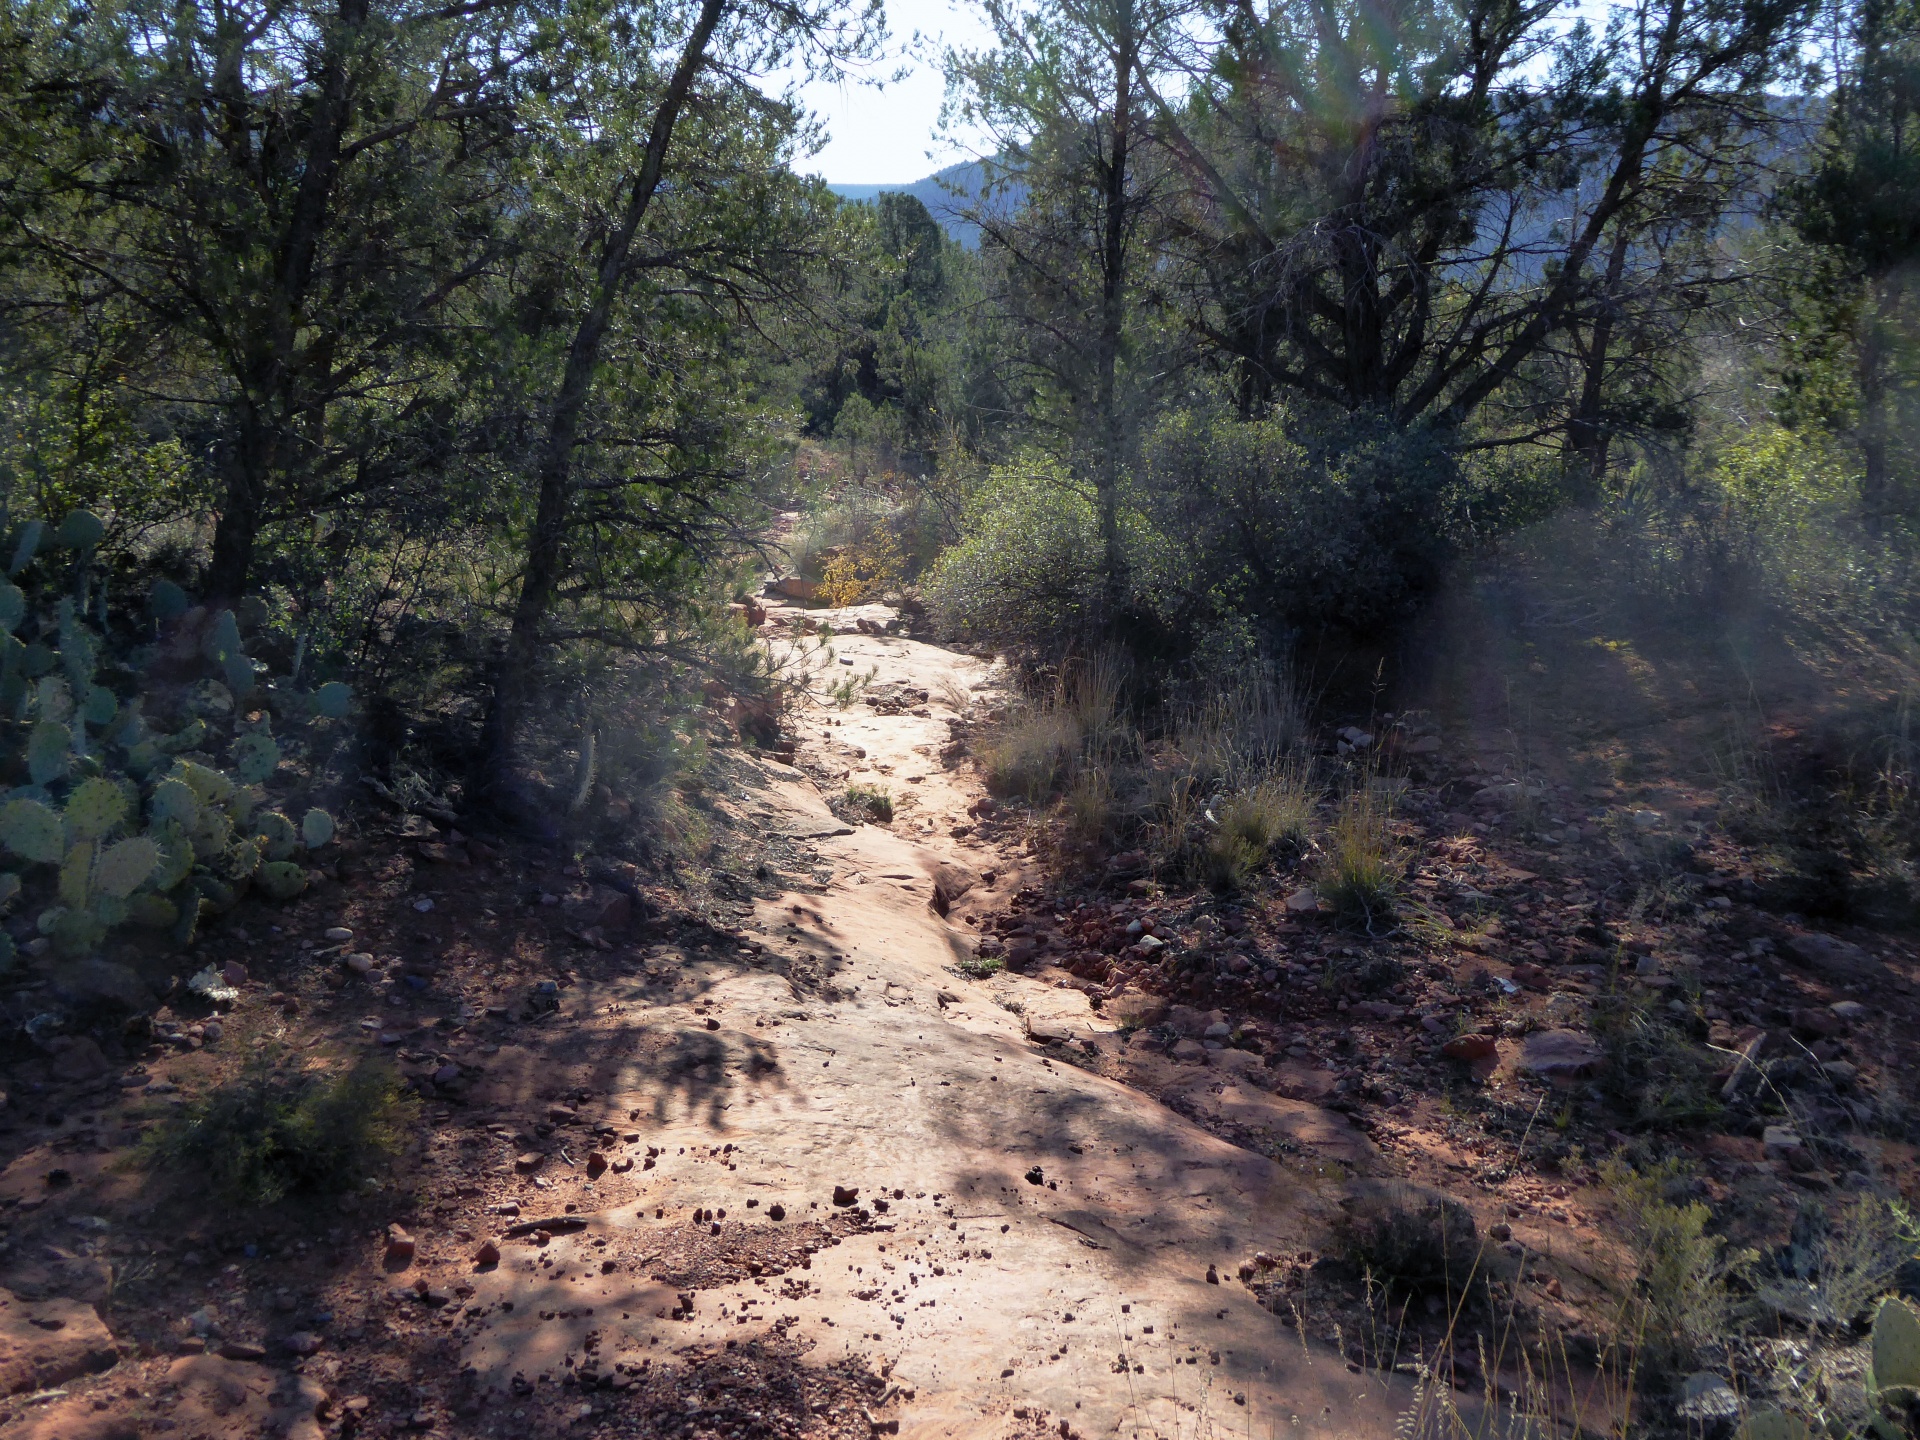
x,y
1358,874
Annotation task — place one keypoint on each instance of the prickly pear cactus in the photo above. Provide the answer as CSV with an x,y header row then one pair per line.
x,y
333,700
209,786
282,879
277,836
27,546
124,866
173,800
316,829
31,830
255,757
96,808
80,530
1773,1425
1896,1347
167,601
152,911
49,752
112,819
76,876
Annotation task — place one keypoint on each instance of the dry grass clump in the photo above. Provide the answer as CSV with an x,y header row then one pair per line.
x,y
1410,1240
1255,822
871,803
1042,746
1359,876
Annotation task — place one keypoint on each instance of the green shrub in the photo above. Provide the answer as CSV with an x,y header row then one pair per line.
x,y
1681,1281
1344,527
271,1133
1027,572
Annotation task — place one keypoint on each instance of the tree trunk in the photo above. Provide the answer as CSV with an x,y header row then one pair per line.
x,y
270,385
516,669
1113,297
1588,435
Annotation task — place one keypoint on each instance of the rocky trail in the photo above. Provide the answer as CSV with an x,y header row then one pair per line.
x,y
781,1168
881,1120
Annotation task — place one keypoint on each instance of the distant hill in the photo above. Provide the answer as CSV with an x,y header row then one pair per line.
x,y
945,194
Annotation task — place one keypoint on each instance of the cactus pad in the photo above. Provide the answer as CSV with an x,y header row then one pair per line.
x,y
209,786
54,699
176,855
277,835
173,799
78,932
1896,1346
13,606
316,829
183,739
239,672
167,601
95,808
221,638
333,700
241,860
282,879
32,831
27,546
81,530
79,654
1772,1424
124,866
101,706
255,758
210,833
9,888
48,749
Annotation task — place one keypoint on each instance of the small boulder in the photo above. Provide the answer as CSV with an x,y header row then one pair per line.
x,y
1835,957
1559,1055
1470,1047
400,1247
78,1059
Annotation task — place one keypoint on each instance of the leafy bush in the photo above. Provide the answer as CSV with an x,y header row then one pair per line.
x,y
1027,572
271,1133
1344,528
863,571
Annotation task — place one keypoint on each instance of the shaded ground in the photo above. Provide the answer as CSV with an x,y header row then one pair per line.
x,y
678,1082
